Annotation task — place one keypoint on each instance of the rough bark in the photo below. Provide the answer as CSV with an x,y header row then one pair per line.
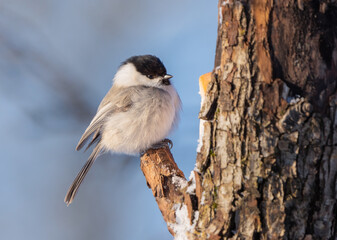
x,y
267,164
176,198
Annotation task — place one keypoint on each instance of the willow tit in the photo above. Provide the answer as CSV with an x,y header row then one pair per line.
x,y
136,114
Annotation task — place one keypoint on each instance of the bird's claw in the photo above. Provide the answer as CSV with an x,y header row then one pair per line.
x,y
166,143
163,144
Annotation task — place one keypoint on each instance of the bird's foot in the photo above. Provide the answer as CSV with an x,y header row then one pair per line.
x,y
166,143
162,144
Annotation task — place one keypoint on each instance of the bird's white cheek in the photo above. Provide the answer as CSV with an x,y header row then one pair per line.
x,y
126,76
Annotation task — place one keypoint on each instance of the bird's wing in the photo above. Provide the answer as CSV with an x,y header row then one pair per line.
x,y
105,109
95,125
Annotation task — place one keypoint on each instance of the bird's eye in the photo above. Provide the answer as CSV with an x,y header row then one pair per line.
x,y
150,76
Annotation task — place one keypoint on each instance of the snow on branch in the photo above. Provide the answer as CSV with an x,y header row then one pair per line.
x,y
176,197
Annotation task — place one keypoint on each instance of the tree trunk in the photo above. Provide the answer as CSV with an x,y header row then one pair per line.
x,y
267,162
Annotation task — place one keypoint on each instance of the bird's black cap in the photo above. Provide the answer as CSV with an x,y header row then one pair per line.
x,y
147,65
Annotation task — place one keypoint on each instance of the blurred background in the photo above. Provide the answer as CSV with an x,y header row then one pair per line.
x,y
57,59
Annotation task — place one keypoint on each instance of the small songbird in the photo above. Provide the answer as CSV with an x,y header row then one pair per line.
x,y
137,113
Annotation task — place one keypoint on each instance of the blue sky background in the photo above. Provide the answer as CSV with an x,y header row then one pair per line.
x,y
57,59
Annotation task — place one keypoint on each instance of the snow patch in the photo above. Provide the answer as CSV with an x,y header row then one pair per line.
x,y
201,123
191,189
182,225
294,100
202,200
224,3
179,181
220,15
201,134
196,168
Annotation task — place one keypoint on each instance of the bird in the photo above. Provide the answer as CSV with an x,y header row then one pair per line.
x,y
138,112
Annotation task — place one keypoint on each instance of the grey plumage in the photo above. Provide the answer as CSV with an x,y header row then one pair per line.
x,y
138,112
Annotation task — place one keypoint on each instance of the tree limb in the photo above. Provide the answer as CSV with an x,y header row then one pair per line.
x,y
175,196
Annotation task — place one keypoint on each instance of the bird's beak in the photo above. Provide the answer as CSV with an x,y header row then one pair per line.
x,y
168,76
166,79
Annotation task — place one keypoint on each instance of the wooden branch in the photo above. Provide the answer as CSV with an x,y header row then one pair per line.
x,y
169,187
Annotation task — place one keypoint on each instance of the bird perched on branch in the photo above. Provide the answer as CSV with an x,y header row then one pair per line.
x,y
137,113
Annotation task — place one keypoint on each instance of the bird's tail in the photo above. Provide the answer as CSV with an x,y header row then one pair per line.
x,y
80,176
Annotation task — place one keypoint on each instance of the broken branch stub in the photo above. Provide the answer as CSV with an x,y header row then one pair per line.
x,y
169,187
